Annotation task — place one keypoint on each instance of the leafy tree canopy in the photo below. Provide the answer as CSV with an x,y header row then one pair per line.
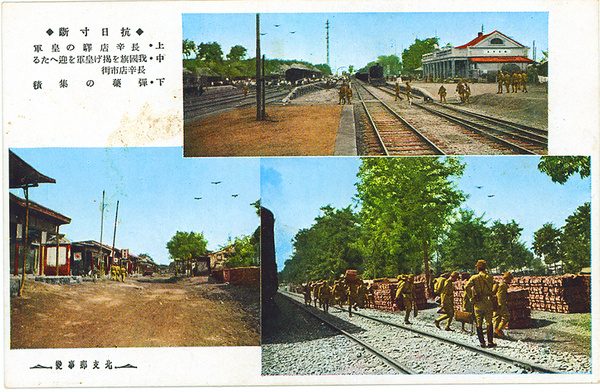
x,y
184,245
575,240
236,53
560,168
411,57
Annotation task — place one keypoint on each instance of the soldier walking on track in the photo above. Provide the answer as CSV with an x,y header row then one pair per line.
x,y
480,288
406,290
445,288
502,315
408,93
397,89
307,291
325,296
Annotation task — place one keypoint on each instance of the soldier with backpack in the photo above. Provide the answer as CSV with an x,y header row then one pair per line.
x,y
445,289
406,291
480,289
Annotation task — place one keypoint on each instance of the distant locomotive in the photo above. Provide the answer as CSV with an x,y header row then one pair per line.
x,y
373,75
192,84
376,75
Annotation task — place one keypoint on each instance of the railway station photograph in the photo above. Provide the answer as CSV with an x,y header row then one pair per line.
x,y
131,247
365,84
427,266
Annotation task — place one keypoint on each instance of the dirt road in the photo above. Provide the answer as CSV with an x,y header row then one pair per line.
x,y
150,313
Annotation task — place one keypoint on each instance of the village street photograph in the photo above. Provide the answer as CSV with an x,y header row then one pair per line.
x,y
132,247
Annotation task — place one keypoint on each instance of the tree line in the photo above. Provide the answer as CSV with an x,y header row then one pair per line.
x,y
407,218
210,57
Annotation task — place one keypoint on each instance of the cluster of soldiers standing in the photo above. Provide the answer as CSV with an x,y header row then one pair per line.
x,y
483,300
356,294
463,90
117,273
345,94
517,80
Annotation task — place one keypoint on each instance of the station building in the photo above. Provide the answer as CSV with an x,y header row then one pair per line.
x,y
485,54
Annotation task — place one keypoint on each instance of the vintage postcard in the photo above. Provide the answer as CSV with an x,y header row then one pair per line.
x,y
254,193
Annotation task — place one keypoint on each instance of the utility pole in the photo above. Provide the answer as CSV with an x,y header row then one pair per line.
x,y
533,50
259,111
327,28
101,258
112,256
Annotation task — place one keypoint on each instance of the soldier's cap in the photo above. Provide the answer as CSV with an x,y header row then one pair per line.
x,y
481,264
454,274
507,275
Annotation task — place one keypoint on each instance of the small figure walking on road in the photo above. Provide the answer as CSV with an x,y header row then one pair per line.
x,y
408,93
397,89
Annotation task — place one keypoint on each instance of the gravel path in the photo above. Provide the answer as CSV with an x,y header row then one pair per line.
x,y
325,353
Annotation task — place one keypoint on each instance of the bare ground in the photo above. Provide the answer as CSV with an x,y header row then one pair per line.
x,y
287,131
189,312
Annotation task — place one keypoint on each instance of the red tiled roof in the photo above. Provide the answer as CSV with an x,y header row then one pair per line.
x,y
482,37
506,59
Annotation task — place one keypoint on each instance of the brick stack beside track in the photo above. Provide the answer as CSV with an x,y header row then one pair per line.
x,y
384,294
560,294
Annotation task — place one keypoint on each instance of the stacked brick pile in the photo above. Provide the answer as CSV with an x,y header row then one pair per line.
x,y
242,275
559,294
384,294
517,300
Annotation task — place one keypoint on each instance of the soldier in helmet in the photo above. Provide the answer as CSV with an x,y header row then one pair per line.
x,y
500,80
406,291
349,94
342,95
409,93
502,315
524,79
123,273
480,288
446,290
397,90
507,81
442,93
325,296
307,293
460,89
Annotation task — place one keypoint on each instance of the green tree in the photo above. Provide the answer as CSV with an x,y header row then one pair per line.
x,y
236,53
324,68
210,52
411,57
185,246
405,204
560,168
327,248
464,242
546,244
246,251
506,252
189,47
575,240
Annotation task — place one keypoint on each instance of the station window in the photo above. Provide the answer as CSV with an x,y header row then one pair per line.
x,y
496,41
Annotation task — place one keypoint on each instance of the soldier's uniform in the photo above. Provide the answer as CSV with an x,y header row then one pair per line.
x,y
325,296
123,273
500,80
480,288
442,93
342,95
307,291
397,90
406,290
362,299
524,79
467,93
460,88
352,296
245,88
315,291
349,95
409,93
339,292
502,315
516,82
507,82
447,299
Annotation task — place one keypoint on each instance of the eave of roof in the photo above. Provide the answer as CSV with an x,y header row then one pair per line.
x,y
35,207
507,59
22,174
482,37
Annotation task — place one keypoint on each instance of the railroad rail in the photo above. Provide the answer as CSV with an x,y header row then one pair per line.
x,y
393,135
520,138
199,107
492,354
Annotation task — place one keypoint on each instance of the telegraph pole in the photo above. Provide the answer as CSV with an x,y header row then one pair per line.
x,y
327,28
259,112
101,259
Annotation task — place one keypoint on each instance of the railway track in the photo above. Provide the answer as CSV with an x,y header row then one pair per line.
x,y
390,133
199,107
397,345
513,137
